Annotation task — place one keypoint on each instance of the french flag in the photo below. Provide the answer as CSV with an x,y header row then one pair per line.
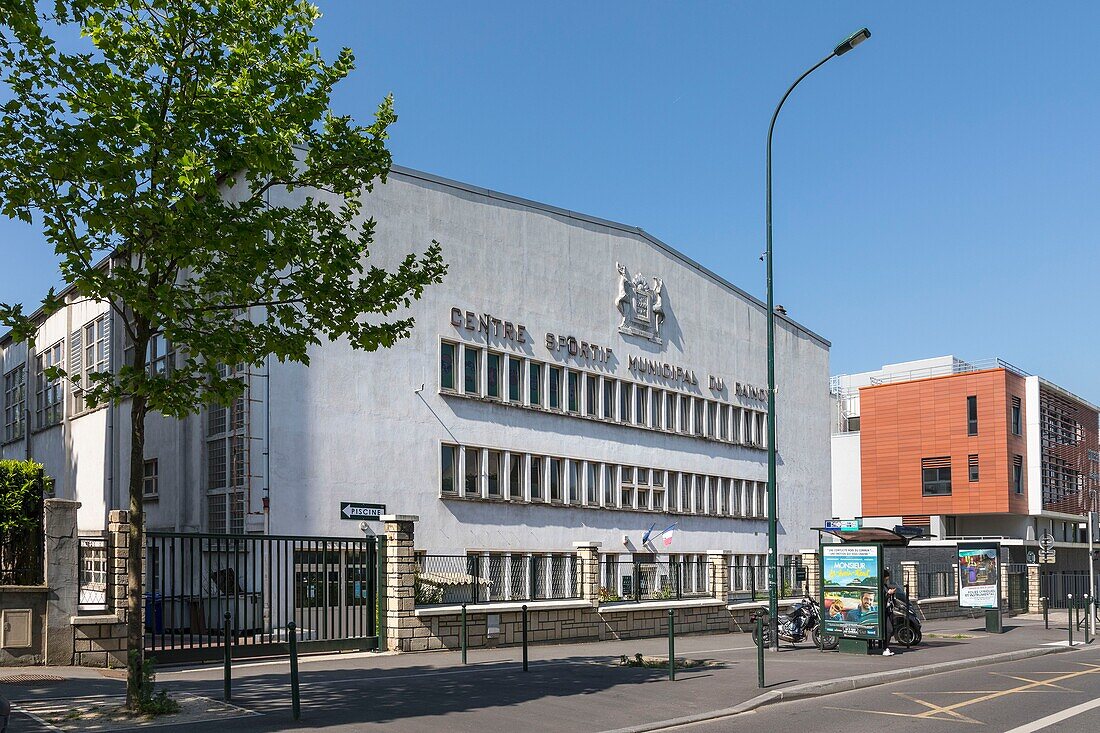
x,y
666,536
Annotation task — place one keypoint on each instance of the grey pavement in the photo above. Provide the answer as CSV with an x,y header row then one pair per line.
x,y
570,687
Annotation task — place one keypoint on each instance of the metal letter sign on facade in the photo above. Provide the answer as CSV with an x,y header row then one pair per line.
x,y
980,575
641,305
357,510
843,525
851,590
1046,542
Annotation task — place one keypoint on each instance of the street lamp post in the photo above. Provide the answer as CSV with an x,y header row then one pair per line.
x,y
773,558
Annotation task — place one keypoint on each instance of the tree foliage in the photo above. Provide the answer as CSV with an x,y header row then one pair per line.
x,y
160,141
23,486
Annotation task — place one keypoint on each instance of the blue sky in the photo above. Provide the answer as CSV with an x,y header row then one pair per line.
x,y
935,189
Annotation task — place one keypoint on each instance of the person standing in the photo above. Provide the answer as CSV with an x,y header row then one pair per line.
x,y
886,609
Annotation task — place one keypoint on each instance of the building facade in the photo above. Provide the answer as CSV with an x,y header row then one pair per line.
x,y
965,449
571,380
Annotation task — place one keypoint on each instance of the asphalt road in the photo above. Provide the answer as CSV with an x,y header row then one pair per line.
x,y
1059,692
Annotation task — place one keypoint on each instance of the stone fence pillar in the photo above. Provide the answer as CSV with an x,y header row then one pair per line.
x,y
908,580
1034,589
720,573
400,597
118,550
812,563
588,568
62,578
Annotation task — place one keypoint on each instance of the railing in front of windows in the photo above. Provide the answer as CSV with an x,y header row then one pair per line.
x,y
92,582
750,582
496,577
937,580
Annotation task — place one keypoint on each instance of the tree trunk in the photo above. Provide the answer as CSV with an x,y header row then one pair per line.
x,y
135,635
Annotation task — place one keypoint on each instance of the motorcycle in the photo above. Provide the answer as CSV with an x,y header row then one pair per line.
x,y
802,620
906,622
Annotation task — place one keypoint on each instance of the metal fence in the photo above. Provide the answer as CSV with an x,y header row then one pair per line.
x,y
750,582
327,586
92,580
937,580
21,556
631,579
490,577
1015,580
1058,586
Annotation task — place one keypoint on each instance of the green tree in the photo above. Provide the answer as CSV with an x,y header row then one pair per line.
x,y
152,134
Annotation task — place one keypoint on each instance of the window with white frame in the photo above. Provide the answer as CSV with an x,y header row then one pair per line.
x,y
471,374
609,486
493,374
471,485
448,463
15,403
492,476
515,476
554,471
49,393
89,353
626,487
624,401
227,459
592,484
447,366
150,479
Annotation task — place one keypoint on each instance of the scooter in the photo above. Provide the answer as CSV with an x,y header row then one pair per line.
x,y
802,619
907,628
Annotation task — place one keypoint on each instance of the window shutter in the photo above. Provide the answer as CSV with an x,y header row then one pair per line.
x,y
105,357
75,355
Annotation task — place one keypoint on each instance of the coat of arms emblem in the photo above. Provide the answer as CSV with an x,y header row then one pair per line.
x,y
641,305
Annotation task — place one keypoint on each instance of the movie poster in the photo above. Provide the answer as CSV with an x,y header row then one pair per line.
x,y
852,588
979,576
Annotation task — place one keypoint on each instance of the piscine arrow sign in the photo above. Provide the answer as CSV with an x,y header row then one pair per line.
x,y
358,510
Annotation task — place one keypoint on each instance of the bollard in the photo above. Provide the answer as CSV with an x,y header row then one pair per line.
x,y
1069,618
228,684
671,645
464,633
1088,610
1077,614
760,652
1046,608
295,700
524,637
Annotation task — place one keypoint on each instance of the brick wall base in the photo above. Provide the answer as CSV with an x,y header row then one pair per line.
x,y
99,641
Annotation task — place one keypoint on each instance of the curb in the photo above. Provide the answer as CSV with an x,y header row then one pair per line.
x,y
832,687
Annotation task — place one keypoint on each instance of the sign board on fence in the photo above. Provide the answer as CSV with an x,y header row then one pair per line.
x,y
1046,542
980,575
844,525
851,580
359,510
1046,557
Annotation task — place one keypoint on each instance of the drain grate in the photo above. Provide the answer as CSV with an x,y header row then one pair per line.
x,y
29,679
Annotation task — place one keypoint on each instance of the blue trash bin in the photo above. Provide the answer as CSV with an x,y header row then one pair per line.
x,y
154,613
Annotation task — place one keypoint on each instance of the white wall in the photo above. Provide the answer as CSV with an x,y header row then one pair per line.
x,y
846,476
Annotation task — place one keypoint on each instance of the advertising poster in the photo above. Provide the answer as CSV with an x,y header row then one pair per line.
x,y
979,576
851,589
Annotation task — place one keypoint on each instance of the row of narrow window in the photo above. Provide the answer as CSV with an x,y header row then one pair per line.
x,y
936,474
530,383
485,473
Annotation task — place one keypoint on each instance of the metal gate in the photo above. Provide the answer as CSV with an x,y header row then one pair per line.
x,y
1058,586
202,589
1016,579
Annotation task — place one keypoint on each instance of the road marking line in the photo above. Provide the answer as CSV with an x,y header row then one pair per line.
x,y
1030,686
1036,682
936,708
1056,717
921,716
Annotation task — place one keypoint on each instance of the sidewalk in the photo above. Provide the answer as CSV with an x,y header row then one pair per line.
x,y
570,687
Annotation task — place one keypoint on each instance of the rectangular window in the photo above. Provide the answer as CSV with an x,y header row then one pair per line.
x,y
936,476
492,374
536,478
555,388
724,497
48,392
609,486
685,492
515,476
972,463
1018,474
641,401
555,479
88,355
698,416
573,392
626,487
447,469
159,355
670,412
470,358
574,482
712,496
658,484
150,488
591,486
591,394
700,496
685,413
724,423
1017,418
608,399
658,403
515,379
494,474
15,403
535,384
643,496
735,424
447,366
472,486
971,415
712,418
624,401
762,499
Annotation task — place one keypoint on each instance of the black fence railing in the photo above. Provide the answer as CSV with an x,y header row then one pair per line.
x,y
92,579
494,577
937,580
750,582
635,579
22,558
327,586
1058,586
